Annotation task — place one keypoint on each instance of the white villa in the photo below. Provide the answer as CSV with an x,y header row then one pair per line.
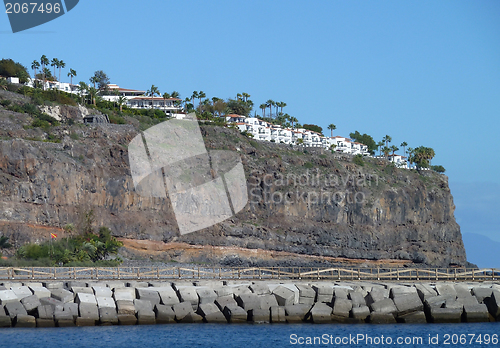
x,y
262,130
399,161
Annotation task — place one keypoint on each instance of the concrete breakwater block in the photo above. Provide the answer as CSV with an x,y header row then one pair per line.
x,y
53,285
45,312
168,296
224,301
124,294
209,283
188,294
376,294
149,294
24,320
108,316
410,302
125,307
89,311
146,317
85,322
342,307
101,291
297,312
248,301
22,291
224,291
71,308
105,302
445,315
340,292
143,305
321,313
306,293
15,308
384,306
494,304
63,319
205,295
39,291
241,289
45,322
127,319
284,296
425,291
462,290
192,318
164,314
381,318
446,289
294,289
62,295
260,288
85,298
181,310
115,284
82,290
324,293
357,299
482,293
268,301
475,313
278,314
413,318
361,312
258,315
235,314
7,296
137,284
74,283
397,291
211,313
31,303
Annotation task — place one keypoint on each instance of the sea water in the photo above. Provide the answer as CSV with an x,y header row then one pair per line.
x,y
255,336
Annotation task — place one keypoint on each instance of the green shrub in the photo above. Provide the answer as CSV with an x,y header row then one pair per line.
x,y
438,168
308,165
358,159
5,102
116,119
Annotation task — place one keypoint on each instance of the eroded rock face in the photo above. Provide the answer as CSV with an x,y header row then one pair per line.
x,y
387,213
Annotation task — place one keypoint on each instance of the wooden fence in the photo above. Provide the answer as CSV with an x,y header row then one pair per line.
x,y
251,273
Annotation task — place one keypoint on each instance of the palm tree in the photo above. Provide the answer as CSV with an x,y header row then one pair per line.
x,y
379,145
245,96
44,61
93,80
54,62
34,65
410,155
332,127
60,64
281,105
387,139
263,108
82,87
93,93
201,95
429,154
270,104
71,74
404,144
175,94
152,92
121,100
193,97
394,148
165,97
386,150
238,96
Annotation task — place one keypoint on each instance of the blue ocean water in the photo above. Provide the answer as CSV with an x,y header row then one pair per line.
x,y
256,336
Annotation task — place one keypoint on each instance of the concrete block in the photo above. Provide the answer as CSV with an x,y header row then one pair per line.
x,y
260,288
149,294
248,301
74,283
224,301
341,307
181,310
209,283
381,318
278,314
136,284
462,290
305,291
53,285
115,284
63,319
45,322
413,318
258,315
396,291
425,291
192,317
82,290
357,299
235,314
124,294
125,307
188,294
293,288
446,289
206,295
15,308
241,290
434,302
146,317
321,313
211,313
224,291
89,311
324,293
143,305
445,315
469,300
164,314
284,296
340,293
482,293
105,302
268,301
168,296
100,291
45,312
85,322
306,300
62,295
127,319
24,320
85,298
40,291
384,306
107,315
361,312
7,296
475,313
30,303
454,304
71,308
49,301
297,312
494,304
408,303
376,295
21,291
30,284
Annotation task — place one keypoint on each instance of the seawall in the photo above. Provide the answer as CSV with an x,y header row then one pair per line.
x,y
88,303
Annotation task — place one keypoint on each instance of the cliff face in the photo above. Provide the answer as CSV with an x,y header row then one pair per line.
x,y
303,202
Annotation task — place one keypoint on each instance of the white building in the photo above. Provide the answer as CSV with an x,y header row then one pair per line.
x,y
398,160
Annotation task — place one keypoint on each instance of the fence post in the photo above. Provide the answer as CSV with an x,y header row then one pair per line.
x,y
260,273
239,275
96,273
378,273
198,272
359,274
397,273
220,276
138,273
158,272
436,274
279,272
179,270
300,277
318,273
455,270
55,277
473,274
118,271
32,273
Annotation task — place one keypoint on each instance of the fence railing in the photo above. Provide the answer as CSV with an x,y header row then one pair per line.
x,y
250,273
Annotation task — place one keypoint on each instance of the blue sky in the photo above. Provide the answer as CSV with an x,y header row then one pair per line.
x,y
424,72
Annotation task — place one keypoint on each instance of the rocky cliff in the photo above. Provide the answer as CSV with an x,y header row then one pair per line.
x,y
301,201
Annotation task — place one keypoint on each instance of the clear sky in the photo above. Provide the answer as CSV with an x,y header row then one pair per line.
x,y
424,72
